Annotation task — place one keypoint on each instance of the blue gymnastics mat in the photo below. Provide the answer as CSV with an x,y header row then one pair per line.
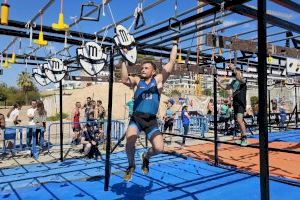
x,y
170,177
282,136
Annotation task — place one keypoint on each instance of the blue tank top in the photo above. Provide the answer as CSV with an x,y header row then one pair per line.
x,y
146,97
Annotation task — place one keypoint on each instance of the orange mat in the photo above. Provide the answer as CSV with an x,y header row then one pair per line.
x,y
281,164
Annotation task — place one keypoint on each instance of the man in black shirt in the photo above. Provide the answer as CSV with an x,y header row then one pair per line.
x,y
89,139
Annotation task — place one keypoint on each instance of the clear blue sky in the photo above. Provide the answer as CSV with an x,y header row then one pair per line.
x,y
22,10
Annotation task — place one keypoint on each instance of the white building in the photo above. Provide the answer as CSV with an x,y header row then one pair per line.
x,y
186,84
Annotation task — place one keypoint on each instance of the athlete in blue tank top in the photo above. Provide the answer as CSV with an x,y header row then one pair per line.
x,y
146,97
147,88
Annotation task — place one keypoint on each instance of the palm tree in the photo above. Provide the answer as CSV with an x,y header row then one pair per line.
x,y
25,83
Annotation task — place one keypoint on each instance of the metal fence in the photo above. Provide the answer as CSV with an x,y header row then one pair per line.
x,y
23,138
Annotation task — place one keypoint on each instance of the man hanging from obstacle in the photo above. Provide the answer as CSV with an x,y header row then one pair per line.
x,y
239,88
147,90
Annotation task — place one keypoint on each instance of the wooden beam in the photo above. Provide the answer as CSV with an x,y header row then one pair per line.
x,y
234,43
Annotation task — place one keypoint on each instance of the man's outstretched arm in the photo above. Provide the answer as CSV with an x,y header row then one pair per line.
x,y
238,74
223,86
125,78
168,68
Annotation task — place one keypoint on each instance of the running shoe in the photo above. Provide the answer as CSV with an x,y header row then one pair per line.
x,y
244,142
128,173
145,164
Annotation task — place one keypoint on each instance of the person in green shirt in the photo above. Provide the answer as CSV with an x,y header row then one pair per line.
x,y
225,112
129,105
239,88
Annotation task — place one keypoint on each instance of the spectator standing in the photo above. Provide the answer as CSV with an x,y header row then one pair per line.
x,y
40,118
13,114
91,114
76,124
30,115
86,107
185,117
100,113
169,117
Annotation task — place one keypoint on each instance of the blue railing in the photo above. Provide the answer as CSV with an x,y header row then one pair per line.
x,y
198,125
16,135
117,130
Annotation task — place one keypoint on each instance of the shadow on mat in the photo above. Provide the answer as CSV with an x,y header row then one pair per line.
x,y
133,192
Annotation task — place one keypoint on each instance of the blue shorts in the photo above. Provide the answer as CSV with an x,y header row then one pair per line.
x,y
149,133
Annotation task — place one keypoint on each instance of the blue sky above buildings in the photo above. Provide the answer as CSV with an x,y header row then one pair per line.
x,y
24,10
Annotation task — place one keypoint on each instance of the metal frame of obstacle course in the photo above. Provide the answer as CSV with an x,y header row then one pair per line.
x,y
148,45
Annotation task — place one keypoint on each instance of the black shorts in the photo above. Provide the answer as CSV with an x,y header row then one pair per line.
x,y
93,152
238,108
144,122
224,119
92,122
77,129
168,125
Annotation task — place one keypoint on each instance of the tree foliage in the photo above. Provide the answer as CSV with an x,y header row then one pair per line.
x,y
175,93
207,92
224,93
11,95
25,83
254,100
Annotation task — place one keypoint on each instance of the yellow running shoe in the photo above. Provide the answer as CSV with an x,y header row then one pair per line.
x,y
128,173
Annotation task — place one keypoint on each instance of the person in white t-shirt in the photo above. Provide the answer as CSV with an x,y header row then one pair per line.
x,y
12,115
30,115
12,120
2,125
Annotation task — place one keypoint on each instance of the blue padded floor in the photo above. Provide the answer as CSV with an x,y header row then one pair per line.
x,y
170,177
282,136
